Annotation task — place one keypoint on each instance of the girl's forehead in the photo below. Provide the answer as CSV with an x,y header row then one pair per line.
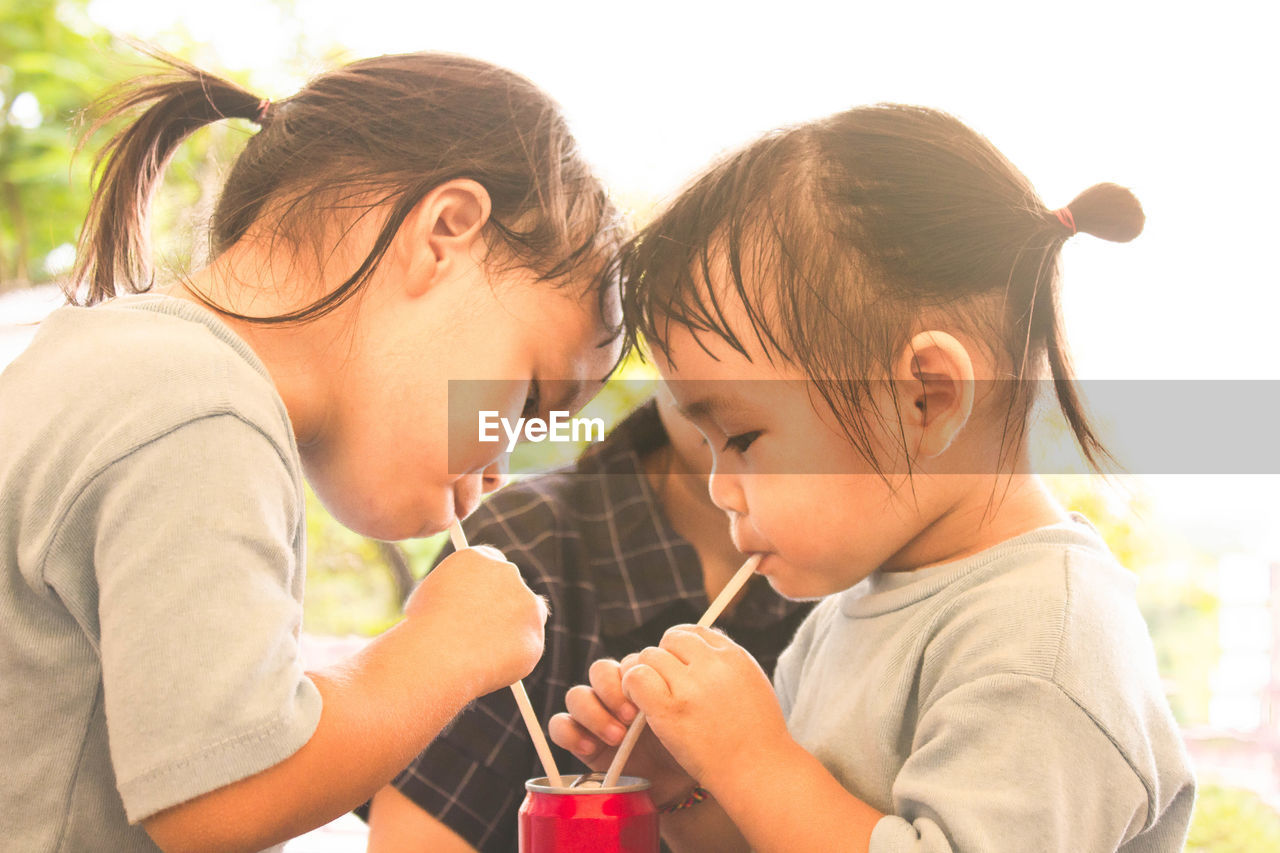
x,y
574,347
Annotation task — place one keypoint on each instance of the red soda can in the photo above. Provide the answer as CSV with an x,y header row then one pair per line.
x,y
589,819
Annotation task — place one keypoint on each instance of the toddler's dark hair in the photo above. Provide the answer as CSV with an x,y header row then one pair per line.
x,y
380,131
839,234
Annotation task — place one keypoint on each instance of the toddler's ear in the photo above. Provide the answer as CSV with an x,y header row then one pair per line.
x,y
934,379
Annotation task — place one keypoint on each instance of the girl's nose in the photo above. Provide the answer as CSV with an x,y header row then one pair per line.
x,y
494,477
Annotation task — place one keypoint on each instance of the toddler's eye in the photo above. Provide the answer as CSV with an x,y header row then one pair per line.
x,y
533,402
740,442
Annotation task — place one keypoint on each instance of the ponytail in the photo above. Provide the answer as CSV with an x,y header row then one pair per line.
x,y
378,133
113,253
1107,211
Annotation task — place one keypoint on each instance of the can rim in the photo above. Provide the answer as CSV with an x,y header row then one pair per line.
x,y
626,785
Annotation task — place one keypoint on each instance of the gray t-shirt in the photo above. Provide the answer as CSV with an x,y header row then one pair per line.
x,y
151,573
1004,702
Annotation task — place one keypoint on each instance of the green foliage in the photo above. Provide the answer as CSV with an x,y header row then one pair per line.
x,y
53,62
1232,820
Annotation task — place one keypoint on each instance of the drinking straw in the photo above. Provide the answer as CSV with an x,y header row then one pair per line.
x,y
713,612
459,540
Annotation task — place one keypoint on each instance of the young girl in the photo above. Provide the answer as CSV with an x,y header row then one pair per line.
x,y
398,223
850,297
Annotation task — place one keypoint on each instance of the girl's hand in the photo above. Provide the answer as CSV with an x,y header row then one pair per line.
x,y
596,723
486,611
705,698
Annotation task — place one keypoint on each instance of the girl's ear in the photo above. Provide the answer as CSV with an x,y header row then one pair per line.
x,y
936,373
440,233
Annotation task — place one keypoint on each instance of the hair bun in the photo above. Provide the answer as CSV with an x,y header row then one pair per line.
x,y
1109,211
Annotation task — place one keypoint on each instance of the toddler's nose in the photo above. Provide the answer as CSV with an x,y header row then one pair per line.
x,y
726,492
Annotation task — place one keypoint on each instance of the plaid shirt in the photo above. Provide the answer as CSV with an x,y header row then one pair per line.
x,y
593,539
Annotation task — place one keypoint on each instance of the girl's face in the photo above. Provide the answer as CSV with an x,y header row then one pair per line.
x,y
397,459
384,392
398,453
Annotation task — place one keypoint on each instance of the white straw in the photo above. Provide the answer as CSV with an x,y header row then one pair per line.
x,y
713,613
459,539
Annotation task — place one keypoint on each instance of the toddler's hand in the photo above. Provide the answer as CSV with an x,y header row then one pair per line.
x,y
705,697
596,723
488,613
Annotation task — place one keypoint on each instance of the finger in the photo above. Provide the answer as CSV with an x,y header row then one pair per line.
x,y
564,732
491,552
661,661
713,637
684,643
586,709
647,688
605,676
627,662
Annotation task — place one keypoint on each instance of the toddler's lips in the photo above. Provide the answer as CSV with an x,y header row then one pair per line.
x,y
747,541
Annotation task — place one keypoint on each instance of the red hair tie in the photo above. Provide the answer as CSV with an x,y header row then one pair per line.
x,y
263,106
1064,216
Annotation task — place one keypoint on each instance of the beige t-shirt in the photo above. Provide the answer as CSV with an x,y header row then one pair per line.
x,y
1003,703
151,573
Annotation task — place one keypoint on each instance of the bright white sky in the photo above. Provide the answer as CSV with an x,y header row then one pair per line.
x,y
1175,100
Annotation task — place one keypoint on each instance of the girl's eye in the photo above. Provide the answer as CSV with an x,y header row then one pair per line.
x,y
533,402
740,442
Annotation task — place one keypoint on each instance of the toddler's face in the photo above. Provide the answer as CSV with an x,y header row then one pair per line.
x,y
821,532
788,476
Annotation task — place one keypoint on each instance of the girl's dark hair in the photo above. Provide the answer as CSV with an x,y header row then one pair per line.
x,y
382,131
838,235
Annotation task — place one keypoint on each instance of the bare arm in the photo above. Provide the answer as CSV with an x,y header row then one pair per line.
x,y
398,825
785,801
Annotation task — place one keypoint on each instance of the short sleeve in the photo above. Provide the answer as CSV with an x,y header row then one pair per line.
x,y
200,612
1024,778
